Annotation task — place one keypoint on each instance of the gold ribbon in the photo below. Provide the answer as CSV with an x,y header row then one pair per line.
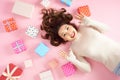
x,y
9,74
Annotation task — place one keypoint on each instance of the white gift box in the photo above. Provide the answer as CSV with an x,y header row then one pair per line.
x,y
47,75
32,31
45,3
28,63
23,9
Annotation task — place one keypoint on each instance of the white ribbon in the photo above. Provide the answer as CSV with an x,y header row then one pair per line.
x,y
9,74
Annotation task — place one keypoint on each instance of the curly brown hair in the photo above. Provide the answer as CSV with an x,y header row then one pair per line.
x,y
52,20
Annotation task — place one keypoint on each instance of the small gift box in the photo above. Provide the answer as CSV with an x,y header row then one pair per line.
x,y
28,63
45,3
12,72
85,10
42,49
9,24
47,75
67,2
68,69
53,63
32,31
18,46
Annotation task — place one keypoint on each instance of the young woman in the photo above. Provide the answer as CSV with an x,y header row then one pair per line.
x,y
88,40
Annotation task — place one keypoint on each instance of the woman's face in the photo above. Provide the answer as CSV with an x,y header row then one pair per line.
x,y
67,32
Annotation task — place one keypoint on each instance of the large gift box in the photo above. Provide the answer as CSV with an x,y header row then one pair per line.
x,y
22,8
10,24
12,72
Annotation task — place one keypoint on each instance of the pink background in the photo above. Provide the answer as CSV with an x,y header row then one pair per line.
x,y
106,11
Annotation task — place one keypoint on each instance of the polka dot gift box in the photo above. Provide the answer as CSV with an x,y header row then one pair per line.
x,y
32,31
68,69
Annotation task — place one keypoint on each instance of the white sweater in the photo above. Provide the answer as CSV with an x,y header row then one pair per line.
x,y
94,45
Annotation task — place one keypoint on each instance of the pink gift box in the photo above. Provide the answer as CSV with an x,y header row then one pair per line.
x,y
68,69
18,46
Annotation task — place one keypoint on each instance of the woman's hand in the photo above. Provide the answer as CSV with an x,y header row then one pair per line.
x,y
69,56
63,54
79,16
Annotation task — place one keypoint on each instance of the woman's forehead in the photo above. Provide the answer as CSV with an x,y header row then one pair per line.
x,y
61,29
64,25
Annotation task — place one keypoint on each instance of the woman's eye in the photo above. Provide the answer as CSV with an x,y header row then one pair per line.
x,y
67,28
64,35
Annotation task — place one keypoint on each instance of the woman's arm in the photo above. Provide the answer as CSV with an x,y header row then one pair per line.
x,y
86,21
80,63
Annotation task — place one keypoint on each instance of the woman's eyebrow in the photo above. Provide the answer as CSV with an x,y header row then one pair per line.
x,y
66,26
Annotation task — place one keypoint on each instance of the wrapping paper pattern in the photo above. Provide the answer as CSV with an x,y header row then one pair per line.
x,y
32,31
68,69
18,46
45,3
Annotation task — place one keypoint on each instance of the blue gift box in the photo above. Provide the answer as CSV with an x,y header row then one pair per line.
x,y
67,2
42,49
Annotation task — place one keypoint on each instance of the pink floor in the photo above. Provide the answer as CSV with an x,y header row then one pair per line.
x,y
107,11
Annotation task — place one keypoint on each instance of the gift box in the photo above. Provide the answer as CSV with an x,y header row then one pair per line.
x,y
42,49
28,63
18,46
23,8
32,31
85,10
10,24
12,72
53,63
45,3
68,69
67,2
47,75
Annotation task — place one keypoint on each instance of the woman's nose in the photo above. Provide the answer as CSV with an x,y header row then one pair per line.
x,y
68,32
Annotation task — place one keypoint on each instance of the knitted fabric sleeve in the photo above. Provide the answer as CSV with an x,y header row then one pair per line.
x,y
86,21
79,62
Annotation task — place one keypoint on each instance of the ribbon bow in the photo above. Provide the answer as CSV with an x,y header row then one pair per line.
x,y
9,74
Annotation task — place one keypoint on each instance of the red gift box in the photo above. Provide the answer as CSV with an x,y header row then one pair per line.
x,y
10,24
12,72
85,10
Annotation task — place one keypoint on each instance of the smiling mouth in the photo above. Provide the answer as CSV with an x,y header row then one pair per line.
x,y
73,35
